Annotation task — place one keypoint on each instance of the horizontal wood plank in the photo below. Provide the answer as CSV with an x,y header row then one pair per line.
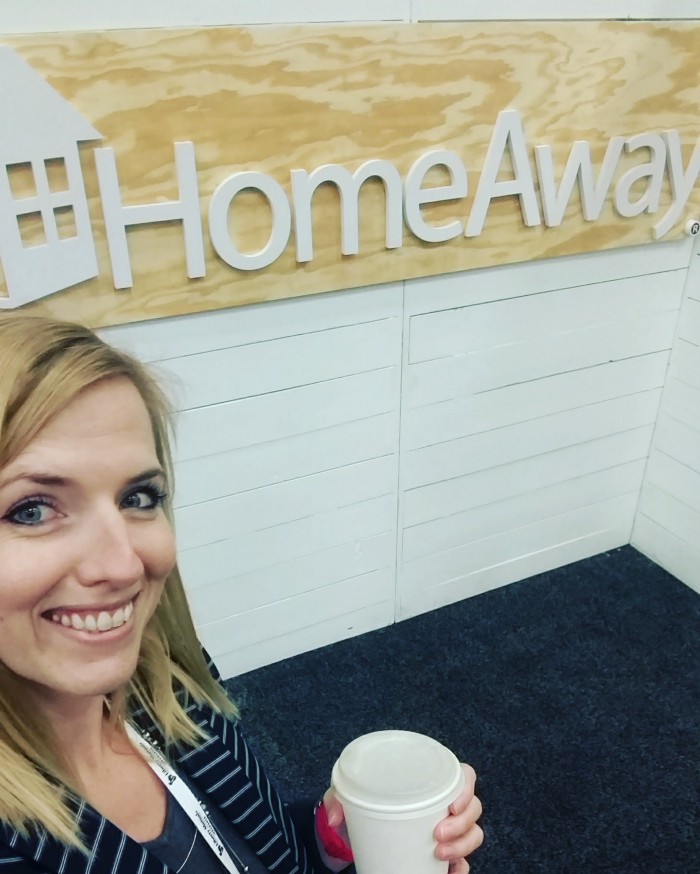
x,y
88,15
289,501
434,293
465,571
685,363
675,478
679,441
277,365
547,434
234,661
437,500
484,411
689,324
446,378
312,608
678,557
248,422
671,513
681,402
240,554
305,573
491,517
284,459
475,10
179,336
473,328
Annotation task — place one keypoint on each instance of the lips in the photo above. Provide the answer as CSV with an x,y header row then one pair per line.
x,y
97,621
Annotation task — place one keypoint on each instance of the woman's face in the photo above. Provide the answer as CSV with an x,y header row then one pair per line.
x,y
85,546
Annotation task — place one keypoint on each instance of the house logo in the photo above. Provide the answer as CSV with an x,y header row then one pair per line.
x,y
41,187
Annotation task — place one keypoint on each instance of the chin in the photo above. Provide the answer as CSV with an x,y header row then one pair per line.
x,y
99,680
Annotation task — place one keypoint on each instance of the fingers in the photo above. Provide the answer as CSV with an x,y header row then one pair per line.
x,y
464,845
458,834
465,796
465,810
457,824
334,809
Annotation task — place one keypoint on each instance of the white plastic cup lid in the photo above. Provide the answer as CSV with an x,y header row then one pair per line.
x,y
397,771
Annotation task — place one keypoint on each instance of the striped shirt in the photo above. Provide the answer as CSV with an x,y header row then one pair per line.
x,y
222,769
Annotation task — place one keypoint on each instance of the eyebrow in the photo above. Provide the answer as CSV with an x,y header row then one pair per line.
x,y
151,473
54,481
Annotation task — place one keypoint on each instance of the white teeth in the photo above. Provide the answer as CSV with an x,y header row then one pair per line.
x,y
102,621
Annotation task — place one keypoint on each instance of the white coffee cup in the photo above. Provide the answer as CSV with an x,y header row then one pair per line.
x,y
395,787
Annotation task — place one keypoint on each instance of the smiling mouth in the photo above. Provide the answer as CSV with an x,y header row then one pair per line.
x,y
96,622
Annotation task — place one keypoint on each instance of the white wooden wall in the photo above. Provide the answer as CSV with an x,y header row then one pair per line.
x,y
667,526
287,467
344,460
530,395
353,458
48,15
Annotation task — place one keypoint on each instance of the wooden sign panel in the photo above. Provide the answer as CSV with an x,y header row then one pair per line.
x,y
200,169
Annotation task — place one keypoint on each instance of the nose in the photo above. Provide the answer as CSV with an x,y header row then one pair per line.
x,y
109,552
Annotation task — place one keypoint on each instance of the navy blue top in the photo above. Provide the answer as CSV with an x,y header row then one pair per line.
x,y
181,846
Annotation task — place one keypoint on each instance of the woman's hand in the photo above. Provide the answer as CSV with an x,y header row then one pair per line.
x,y
332,834
458,835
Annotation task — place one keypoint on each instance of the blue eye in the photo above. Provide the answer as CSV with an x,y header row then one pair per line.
x,y
144,498
31,512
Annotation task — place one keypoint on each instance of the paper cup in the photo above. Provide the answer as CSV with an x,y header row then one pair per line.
x,y
395,787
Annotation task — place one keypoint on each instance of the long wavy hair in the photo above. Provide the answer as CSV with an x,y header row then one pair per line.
x,y
44,364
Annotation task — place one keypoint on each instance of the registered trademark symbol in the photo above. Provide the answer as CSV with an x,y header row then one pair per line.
x,y
692,228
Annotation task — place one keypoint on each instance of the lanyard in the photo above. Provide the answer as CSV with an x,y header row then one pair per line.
x,y
182,793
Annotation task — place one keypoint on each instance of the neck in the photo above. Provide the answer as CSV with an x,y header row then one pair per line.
x,y
82,731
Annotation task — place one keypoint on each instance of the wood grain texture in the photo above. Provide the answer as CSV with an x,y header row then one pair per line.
x,y
277,98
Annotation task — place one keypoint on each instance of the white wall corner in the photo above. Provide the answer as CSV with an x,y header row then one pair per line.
x,y
667,509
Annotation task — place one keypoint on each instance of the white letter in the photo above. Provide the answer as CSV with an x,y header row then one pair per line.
x,y
415,196
508,134
682,181
305,184
218,220
118,217
653,171
578,167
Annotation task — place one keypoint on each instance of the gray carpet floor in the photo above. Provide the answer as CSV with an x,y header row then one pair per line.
x,y
575,694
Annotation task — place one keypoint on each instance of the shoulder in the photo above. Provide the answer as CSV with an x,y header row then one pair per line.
x,y
24,855
11,863
13,851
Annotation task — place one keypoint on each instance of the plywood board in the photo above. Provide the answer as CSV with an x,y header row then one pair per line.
x,y
276,99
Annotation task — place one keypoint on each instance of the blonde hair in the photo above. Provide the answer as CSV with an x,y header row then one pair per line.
x,y
44,364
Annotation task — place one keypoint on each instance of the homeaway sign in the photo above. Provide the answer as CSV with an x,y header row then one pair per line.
x,y
203,169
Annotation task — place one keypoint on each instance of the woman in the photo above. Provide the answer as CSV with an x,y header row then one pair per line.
x,y
119,748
